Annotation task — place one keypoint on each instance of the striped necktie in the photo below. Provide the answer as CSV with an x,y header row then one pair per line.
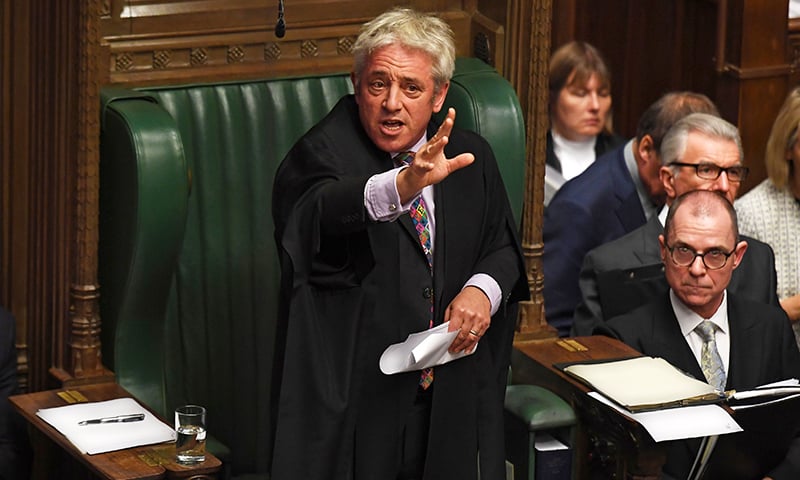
x,y
419,216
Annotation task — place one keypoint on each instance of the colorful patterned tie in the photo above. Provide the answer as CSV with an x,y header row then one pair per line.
x,y
419,216
710,361
418,213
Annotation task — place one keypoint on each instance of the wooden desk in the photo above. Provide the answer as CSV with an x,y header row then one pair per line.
x,y
606,440
151,462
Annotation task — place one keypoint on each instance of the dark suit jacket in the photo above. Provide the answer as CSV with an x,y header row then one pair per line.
x,y
15,451
597,206
622,274
352,287
762,350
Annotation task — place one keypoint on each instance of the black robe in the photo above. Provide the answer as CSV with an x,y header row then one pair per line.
x,y
351,287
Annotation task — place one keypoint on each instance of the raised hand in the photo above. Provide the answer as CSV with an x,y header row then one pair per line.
x,y
430,166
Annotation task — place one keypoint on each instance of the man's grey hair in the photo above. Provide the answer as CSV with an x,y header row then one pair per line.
x,y
409,28
674,144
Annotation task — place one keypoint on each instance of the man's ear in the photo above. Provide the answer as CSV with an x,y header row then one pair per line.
x,y
438,100
738,253
667,177
646,149
663,246
354,81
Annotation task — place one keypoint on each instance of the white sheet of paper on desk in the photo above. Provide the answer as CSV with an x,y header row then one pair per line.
x,y
421,350
107,437
681,422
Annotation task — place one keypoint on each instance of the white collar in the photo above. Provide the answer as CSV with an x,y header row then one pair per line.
x,y
689,320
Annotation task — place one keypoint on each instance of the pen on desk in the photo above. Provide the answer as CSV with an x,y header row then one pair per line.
x,y
133,417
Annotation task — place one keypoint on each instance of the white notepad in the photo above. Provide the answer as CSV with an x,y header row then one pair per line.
x,y
107,437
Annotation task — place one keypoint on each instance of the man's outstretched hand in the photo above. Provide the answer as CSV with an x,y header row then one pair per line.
x,y
430,166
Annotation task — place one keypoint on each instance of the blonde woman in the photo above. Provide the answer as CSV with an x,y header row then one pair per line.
x,y
770,212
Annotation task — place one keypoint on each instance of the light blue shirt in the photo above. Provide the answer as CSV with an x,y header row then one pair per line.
x,y
648,206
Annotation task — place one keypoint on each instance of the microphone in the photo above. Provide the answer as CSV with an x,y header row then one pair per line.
x,y
280,27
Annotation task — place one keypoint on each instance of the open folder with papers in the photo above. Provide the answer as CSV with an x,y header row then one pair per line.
x,y
643,384
99,427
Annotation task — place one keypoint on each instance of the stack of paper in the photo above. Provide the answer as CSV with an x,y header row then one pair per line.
x,y
107,437
679,423
644,383
668,403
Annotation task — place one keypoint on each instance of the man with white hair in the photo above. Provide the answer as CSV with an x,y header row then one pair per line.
x,y
388,223
699,152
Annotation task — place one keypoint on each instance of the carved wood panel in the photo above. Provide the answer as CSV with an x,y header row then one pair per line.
x,y
734,51
793,50
40,157
527,61
55,58
158,41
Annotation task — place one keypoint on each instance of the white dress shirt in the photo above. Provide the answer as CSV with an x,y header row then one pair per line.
x,y
689,320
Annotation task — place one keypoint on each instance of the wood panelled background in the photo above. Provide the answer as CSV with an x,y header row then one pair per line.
x,y
38,148
55,55
734,51
153,41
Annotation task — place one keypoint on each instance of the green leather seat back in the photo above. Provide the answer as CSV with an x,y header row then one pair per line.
x,y
144,193
223,305
218,299
486,103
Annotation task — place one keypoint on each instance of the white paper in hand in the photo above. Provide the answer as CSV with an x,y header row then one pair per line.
x,y
421,350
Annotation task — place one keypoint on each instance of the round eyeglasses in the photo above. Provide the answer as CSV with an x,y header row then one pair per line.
x,y
684,256
709,171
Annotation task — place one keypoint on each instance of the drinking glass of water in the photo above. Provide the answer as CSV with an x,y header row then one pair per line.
x,y
190,425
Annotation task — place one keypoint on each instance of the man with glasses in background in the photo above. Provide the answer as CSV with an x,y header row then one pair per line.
x,y
699,152
714,334
616,195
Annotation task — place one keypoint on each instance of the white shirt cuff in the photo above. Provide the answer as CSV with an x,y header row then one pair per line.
x,y
489,286
381,198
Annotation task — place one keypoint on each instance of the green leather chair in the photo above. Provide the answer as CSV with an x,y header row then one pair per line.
x,y
144,199
529,411
486,103
188,268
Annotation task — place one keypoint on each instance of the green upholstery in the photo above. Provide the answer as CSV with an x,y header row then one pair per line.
x,y
530,409
144,194
188,267
538,408
487,104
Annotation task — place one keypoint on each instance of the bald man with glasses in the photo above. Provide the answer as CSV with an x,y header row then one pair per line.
x,y
714,334
699,152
